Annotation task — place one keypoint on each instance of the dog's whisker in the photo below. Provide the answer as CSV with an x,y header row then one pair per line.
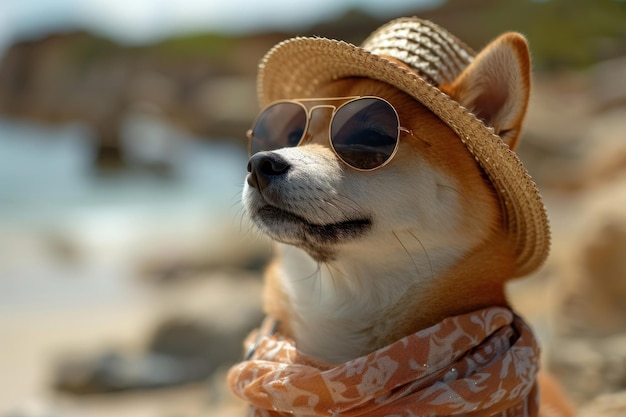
x,y
430,265
320,282
251,229
236,197
340,207
332,269
317,281
241,220
406,250
347,202
242,214
340,200
248,232
313,275
332,207
328,214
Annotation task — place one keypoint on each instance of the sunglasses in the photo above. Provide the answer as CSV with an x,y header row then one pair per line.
x,y
364,130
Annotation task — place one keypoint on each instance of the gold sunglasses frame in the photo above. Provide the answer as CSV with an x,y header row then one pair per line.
x,y
309,110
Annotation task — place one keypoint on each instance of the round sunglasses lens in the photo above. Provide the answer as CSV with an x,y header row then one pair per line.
x,y
364,133
280,125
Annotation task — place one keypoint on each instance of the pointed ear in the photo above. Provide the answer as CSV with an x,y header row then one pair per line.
x,y
496,85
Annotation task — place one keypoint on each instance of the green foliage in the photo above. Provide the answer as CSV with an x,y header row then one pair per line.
x,y
201,44
562,33
572,33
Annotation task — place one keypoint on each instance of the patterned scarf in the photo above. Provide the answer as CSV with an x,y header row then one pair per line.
x,y
478,364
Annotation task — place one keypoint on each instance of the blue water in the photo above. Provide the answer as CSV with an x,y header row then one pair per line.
x,y
45,171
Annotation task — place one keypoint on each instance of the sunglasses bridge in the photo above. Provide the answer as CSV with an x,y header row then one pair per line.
x,y
344,101
309,110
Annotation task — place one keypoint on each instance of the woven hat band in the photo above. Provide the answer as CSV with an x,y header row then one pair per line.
x,y
434,53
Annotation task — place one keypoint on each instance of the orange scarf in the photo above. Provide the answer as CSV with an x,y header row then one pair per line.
x,y
478,364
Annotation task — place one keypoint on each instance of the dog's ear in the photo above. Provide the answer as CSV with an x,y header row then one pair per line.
x,y
496,85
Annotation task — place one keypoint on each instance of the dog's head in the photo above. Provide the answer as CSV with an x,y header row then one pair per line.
x,y
432,199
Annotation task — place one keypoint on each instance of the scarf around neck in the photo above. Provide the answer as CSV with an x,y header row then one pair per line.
x,y
482,363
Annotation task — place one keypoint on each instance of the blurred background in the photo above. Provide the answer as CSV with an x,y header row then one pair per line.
x,y
128,273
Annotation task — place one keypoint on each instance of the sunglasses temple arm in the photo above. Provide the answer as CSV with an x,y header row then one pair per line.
x,y
410,133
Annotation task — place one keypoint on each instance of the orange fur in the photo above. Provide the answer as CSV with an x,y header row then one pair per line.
x,y
464,272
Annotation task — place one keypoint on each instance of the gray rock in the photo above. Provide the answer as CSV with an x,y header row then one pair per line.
x,y
608,405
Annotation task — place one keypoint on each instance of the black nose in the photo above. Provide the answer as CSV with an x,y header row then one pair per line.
x,y
263,167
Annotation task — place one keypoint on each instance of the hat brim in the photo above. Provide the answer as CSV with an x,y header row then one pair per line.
x,y
295,68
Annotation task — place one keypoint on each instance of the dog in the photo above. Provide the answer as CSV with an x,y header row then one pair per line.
x,y
377,173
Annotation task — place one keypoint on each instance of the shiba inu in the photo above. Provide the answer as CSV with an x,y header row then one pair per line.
x,y
385,173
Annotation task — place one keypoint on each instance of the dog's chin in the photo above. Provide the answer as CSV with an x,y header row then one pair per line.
x,y
318,240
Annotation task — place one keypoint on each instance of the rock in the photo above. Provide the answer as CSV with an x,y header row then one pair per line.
x,y
607,405
587,350
117,371
181,351
580,145
592,290
187,346
608,82
589,367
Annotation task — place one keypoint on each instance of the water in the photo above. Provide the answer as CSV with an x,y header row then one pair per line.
x,y
68,235
45,171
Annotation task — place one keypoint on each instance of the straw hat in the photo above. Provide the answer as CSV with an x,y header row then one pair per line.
x,y
296,67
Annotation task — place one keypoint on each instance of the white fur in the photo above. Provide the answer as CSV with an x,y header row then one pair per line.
x,y
415,213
